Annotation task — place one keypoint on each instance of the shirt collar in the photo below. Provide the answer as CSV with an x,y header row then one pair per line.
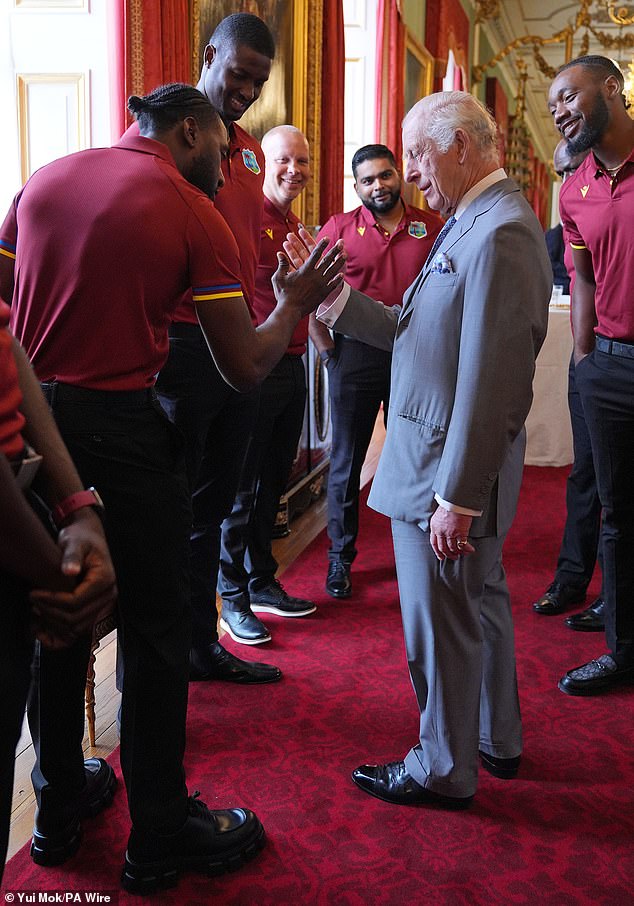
x,y
132,141
371,220
600,170
476,190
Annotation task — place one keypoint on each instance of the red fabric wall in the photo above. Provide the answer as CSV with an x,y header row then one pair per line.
x,y
333,76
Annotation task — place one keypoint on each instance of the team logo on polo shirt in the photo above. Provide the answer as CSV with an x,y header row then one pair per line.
x,y
584,191
250,160
417,229
360,230
269,232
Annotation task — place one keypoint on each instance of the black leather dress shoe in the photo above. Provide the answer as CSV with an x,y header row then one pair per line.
x,y
243,626
210,841
392,783
219,664
338,584
504,768
272,598
592,619
557,598
57,833
597,676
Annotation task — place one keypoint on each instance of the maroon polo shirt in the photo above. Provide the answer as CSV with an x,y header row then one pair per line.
x,y
11,419
598,214
106,242
379,264
240,203
275,226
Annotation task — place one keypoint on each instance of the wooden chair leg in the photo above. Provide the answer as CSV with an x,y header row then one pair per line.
x,y
90,695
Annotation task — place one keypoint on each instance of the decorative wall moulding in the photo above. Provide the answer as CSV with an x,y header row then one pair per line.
x,y
54,6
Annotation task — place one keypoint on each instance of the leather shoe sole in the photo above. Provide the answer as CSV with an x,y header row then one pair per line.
x,y
56,846
595,677
234,632
219,664
502,768
392,783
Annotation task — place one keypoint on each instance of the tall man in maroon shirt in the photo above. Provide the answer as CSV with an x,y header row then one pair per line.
x,y
587,104
387,242
215,419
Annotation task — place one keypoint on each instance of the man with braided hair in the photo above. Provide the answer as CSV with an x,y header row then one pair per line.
x,y
95,254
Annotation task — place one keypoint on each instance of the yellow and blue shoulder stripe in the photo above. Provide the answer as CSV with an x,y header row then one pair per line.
x,y
6,248
219,291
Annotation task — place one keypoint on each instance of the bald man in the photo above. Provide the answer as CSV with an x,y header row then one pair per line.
x,y
246,579
580,542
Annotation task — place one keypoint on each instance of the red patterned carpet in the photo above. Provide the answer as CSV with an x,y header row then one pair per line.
x,y
561,834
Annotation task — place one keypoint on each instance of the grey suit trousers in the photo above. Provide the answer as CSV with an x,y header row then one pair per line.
x,y
460,649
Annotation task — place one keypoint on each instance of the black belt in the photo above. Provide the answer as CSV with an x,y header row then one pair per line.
x,y
55,392
615,347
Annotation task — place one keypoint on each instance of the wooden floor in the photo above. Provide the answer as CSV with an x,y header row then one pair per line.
x,y
303,529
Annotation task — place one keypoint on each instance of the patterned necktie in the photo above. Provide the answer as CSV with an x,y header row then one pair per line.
x,y
439,238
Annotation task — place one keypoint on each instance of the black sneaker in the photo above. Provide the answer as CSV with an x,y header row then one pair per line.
x,y
272,598
57,834
558,597
244,627
211,842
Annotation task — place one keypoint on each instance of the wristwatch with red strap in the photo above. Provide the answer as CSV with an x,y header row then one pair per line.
x,y
69,505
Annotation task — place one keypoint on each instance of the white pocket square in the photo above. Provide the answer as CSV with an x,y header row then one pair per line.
x,y
441,264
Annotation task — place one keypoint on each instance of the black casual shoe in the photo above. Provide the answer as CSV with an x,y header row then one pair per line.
x,y
57,834
596,677
504,768
211,842
219,664
272,598
244,627
557,598
592,619
338,583
393,783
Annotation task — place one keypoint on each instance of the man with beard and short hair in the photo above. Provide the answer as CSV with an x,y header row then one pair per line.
x,y
387,242
588,107
216,420
580,542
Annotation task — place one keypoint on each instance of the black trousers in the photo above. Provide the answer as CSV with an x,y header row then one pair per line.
x,y
578,553
16,652
216,422
124,445
606,385
246,557
359,381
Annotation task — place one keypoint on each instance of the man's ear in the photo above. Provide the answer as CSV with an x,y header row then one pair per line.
x,y
462,141
209,55
191,131
612,86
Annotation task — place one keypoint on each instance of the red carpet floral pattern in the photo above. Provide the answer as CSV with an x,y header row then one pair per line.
x,y
561,834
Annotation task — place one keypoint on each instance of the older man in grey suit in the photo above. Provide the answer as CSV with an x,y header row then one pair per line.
x,y
464,346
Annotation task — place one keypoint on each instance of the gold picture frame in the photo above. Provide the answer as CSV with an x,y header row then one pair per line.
x,y
418,83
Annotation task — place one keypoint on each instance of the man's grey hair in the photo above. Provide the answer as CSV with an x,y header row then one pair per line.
x,y
437,118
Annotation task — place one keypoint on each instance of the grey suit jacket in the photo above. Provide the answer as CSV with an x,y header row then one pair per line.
x,y
464,348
